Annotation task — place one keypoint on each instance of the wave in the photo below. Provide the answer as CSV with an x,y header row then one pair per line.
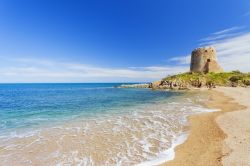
x,y
142,134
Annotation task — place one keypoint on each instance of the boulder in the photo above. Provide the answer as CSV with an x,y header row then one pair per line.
x,y
156,84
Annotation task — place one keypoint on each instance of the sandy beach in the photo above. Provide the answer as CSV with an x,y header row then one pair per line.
x,y
219,138
141,133
214,138
237,127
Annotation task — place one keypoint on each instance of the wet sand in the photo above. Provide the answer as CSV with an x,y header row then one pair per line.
x,y
216,138
140,134
212,139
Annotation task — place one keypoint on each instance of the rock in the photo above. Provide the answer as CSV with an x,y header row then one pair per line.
x,y
234,84
210,85
134,86
247,82
156,84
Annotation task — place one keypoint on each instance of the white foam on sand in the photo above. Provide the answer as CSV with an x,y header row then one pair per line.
x,y
168,154
148,135
204,110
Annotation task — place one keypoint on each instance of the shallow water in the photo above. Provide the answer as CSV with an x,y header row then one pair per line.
x,y
91,124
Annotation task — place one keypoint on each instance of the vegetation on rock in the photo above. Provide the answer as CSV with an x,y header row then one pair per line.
x,y
188,80
191,80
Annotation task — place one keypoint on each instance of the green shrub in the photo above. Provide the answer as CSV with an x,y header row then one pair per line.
x,y
246,82
236,78
236,72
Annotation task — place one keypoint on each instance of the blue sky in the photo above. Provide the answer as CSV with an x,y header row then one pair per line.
x,y
117,40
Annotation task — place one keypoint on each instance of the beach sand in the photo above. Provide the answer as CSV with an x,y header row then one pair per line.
x,y
218,138
237,126
215,138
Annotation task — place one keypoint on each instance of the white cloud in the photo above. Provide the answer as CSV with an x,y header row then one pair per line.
x,y
44,70
233,49
223,34
234,53
228,30
182,60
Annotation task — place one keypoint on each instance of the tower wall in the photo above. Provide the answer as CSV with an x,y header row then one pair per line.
x,y
203,58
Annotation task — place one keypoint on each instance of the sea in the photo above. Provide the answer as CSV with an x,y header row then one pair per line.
x,y
93,124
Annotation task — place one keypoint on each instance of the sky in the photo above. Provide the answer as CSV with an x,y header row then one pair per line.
x,y
117,40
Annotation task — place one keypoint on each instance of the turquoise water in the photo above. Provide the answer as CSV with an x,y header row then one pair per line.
x,y
92,124
31,105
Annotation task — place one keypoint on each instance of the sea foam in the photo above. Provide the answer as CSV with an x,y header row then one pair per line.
x,y
95,126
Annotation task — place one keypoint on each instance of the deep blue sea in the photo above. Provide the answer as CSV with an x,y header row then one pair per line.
x,y
146,122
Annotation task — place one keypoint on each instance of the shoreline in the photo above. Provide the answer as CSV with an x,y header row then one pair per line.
x,y
90,141
237,126
169,154
205,143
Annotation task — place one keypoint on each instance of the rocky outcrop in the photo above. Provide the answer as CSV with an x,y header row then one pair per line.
x,y
204,72
173,84
181,84
155,85
185,81
134,86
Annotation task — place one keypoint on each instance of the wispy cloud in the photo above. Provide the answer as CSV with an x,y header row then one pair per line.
x,y
233,48
228,30
246,14
232,45
234,53
44,70
181,60
222,35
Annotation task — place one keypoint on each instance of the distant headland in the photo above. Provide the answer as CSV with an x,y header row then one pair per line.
x,y
205,71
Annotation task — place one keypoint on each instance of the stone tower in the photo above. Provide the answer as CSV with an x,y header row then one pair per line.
x,y
205,60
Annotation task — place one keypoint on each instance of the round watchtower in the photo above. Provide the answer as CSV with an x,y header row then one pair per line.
x,y
203,58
